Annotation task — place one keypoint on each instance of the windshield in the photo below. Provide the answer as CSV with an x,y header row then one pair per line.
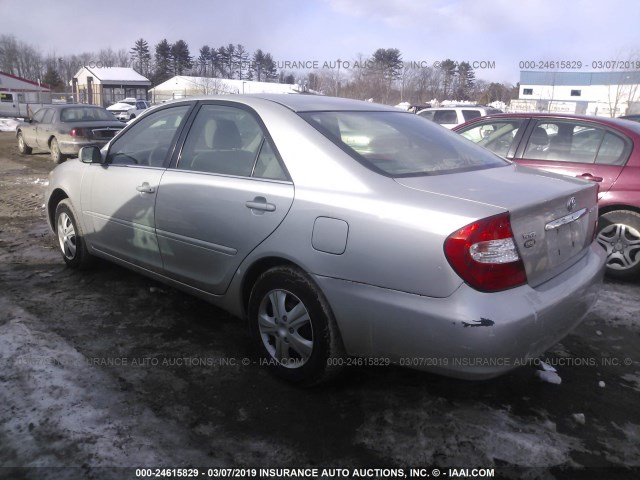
x,y
85,114
401,144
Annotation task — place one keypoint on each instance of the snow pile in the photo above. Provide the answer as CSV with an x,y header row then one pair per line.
x,y
8,124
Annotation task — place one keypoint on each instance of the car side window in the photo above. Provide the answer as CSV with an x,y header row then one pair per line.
x,y
497,136
445,117
37,117
48,116
148,141
612,150
224,140
268,165
564,142
428,114
470,114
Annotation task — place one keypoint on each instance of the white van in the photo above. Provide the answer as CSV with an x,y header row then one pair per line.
x,y
15,105
451,116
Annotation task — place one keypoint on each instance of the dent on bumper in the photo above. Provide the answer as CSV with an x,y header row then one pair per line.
x,y
470,334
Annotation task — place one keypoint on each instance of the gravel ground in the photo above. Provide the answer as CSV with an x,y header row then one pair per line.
x,y
106,369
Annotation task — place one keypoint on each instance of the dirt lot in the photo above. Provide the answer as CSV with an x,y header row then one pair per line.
x,y
106,369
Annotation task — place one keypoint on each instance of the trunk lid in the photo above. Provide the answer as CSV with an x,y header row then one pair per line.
x,y
553,217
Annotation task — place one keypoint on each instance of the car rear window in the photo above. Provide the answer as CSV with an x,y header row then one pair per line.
x,y
85,114
401,144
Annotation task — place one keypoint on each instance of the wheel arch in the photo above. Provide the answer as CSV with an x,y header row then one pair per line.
x,y
618,207
253,273
54,199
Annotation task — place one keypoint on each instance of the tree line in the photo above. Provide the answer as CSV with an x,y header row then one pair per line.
x,y
383,76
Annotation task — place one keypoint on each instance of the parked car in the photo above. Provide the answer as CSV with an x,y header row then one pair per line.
x,y
64,129
139,107
338,227
449,117
603,150
128,108
634,118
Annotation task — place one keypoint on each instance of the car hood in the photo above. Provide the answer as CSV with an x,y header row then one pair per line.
x,y
120,106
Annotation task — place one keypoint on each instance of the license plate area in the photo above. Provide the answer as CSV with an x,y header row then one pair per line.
x,y
566,236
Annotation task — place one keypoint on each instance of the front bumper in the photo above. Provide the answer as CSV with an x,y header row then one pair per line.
x,y
470,335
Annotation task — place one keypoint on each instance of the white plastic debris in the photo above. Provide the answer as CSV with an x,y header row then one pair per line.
x,y
601,384
546,367
598,332
579,418
549,377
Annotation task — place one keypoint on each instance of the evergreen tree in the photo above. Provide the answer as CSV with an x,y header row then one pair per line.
x,y
141,56
448,68
163,62
204,59
181,60
52,78
258,65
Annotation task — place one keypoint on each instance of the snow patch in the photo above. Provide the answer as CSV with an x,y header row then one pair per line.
x,y
8,124
464,435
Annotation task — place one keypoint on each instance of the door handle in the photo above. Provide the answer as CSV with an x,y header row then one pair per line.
x,y
145,188
260,203
588,176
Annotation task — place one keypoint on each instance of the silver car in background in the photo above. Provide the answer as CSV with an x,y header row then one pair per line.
x,y
63,130
339,228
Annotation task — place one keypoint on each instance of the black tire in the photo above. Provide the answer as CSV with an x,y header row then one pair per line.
x,y
619,235
70,237
56,155
283,343
22,145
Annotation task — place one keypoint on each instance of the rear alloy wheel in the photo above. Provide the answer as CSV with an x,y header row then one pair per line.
x,y
293,327
70,237
22,146
56,154
619,235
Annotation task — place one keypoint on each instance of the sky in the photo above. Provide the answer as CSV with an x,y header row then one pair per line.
x,y
495,34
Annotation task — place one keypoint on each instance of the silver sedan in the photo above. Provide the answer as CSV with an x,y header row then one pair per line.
x,y
339,229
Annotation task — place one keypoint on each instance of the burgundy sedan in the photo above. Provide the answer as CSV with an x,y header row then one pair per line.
x,y
603,150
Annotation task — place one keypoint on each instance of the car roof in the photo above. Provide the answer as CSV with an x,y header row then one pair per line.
x,y
69,105
619,123
302,102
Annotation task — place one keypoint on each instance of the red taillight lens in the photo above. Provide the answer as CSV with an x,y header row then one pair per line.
x,y
78,132
485,255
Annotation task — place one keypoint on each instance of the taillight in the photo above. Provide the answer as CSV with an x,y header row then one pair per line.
x,y
78,132
484,254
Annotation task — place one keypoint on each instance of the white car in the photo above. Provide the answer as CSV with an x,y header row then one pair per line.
x,y
449,117
128,109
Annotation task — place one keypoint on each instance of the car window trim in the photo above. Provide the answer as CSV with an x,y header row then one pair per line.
x,y
177,153
172,146
534,121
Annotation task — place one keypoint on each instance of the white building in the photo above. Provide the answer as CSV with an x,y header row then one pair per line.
x,y
17,95
182,86
609,94
108,85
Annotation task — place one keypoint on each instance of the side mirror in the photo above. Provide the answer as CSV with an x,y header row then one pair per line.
x,y
90,154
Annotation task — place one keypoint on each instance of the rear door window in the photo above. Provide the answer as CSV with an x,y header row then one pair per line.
x,y
470,114
445,117
496,135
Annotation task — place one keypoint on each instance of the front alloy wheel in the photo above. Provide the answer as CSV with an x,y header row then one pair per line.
x,y
70,237
619,235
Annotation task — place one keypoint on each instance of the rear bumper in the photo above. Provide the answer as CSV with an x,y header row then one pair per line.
x,y
72,147
471,335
